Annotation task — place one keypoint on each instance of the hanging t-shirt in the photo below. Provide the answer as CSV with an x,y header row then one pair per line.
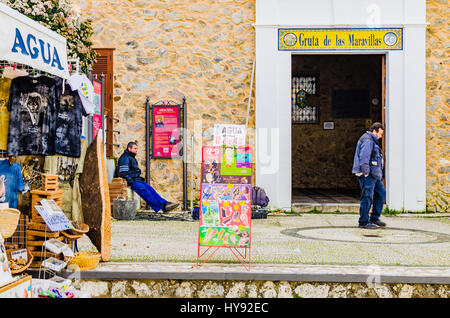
x,y
68,171
83,85
5,84
32,103
11,183
69,121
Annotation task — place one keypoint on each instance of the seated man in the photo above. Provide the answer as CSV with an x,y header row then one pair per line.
x,y
129,170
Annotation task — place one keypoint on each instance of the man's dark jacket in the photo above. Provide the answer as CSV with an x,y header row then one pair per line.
x,y
128,168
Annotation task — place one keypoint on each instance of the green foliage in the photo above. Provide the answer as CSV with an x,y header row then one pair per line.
x,y
61,17
388,211
315,211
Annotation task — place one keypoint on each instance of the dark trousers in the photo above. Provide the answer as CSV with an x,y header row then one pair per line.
x,y
373,195
149,195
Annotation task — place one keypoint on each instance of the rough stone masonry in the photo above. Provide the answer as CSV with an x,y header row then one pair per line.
x,y
256,289
204,50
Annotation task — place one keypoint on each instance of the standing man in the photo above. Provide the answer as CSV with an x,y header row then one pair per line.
x,y
368,167
129,170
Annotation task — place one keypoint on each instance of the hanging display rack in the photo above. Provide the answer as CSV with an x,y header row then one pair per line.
x,y
18,239
74,65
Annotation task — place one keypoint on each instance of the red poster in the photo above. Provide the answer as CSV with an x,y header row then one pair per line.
x,y
166,136
97,117
96,124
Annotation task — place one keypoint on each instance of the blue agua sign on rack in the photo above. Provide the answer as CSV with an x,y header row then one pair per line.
x,y
28,42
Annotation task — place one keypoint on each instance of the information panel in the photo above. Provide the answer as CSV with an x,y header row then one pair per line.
x,y
166,131
225,204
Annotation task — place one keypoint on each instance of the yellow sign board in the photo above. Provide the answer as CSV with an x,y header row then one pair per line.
x,y
340,39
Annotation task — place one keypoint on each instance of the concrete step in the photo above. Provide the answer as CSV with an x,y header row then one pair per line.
x,y
326,207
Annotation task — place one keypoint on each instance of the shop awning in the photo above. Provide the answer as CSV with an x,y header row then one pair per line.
x,y
25,41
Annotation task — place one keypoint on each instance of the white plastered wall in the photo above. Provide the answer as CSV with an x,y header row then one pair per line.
x,y
405,91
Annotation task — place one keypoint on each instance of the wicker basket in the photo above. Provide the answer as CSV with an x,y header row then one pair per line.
x,y
85,260
79,228
23,268
9,218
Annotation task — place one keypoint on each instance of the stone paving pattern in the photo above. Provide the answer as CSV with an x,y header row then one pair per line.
x,y
158,259
176,241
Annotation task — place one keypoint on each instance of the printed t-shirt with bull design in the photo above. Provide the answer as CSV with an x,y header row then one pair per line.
x,y
32,105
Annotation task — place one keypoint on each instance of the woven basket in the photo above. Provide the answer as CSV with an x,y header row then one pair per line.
x,y
9,218
85,260
23,268
79,229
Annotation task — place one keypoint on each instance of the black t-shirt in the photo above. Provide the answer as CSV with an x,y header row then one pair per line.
x,y
68,121
32,105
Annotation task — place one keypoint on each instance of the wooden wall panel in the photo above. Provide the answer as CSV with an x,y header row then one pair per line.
x,y
105,65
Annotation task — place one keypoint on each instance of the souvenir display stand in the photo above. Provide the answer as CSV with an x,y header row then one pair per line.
x,y
37,230
18,286
33,244
225,203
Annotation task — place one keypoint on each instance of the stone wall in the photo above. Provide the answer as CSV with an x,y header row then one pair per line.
x,y
204,49
324,158
256,289
438,101
167,49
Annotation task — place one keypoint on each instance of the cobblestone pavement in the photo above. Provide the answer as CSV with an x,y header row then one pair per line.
x,y
283,241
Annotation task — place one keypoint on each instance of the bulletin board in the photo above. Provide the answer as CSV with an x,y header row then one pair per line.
x,y
98,112
166,131
225,202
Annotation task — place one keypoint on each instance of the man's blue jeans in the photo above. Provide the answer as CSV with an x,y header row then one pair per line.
x,y
149,195
373,195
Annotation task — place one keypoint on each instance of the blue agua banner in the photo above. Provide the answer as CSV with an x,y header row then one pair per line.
x,y
27,42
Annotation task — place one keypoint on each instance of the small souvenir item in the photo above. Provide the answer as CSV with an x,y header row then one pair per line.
x,y
54,246
20,255
53,216
54,264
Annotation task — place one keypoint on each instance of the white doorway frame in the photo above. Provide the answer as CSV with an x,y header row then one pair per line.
x,y
383,109
405,93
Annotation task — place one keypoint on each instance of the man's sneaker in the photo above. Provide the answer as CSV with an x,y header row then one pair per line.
x,y
169,206
368,226
379,223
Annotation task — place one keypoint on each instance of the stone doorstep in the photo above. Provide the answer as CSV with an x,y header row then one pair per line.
x,y
265,272
326,207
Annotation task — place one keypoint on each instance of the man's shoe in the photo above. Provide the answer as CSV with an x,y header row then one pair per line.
x,y
169,206
379,223
368,226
